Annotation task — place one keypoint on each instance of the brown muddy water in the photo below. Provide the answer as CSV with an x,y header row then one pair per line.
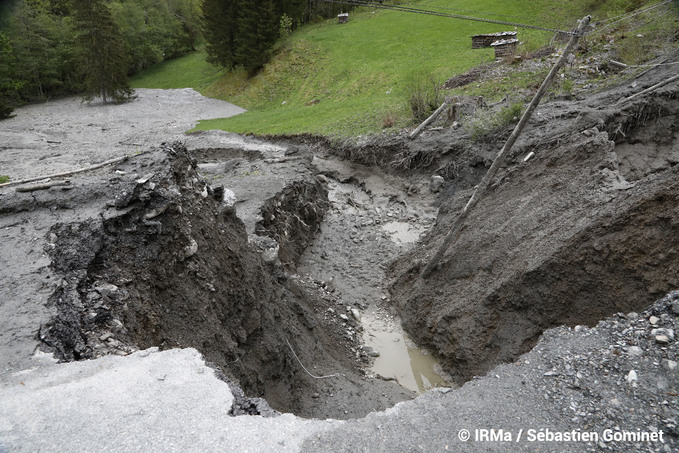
x,y
400,358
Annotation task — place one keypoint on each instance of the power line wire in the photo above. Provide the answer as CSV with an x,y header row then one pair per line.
x,y
442,14
487,13
632,14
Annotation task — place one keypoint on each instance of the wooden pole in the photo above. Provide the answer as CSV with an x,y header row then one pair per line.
x,y
428,121
69,173
502,155
650,89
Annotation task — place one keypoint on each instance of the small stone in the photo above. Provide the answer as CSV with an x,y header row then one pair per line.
x,y
144,179
653,320
344,317
316,395
662,339
635,351
632,315
191,249
370,351
669,333
670,365
675,308
105,336
615,402
436,184
356,314
632,378
105,289
229,198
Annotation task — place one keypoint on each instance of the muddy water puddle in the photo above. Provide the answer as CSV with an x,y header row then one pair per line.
x,y
400,359
372,220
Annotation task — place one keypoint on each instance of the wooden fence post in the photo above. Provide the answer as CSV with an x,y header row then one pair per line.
x,y
502,155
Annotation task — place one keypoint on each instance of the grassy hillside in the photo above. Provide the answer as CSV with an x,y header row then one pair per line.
x,y
188,71
358,77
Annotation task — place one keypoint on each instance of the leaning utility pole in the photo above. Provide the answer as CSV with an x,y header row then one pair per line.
x,y
502,155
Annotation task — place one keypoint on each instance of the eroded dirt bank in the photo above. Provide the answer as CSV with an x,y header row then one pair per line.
x,y
260,254
584,229
168,264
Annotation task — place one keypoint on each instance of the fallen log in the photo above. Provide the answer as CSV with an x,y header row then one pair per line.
x,y
650,89
428,121
68,173
43,186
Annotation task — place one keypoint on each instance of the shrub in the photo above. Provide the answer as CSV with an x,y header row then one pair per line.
x,y
424,96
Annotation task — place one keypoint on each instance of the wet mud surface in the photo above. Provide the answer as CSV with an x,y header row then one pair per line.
x,y
285,263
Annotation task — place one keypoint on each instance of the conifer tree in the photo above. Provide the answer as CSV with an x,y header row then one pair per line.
x,y
8,84
257,33
220,19
103,56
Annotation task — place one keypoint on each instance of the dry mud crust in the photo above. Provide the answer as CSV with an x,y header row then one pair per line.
x,y
168,265
563,238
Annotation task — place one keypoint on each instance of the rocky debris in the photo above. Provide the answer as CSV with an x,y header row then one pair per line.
x,y
622,379
576,380
437,183
167,266
293,217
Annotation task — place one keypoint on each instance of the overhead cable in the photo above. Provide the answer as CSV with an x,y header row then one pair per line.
x,y
442,14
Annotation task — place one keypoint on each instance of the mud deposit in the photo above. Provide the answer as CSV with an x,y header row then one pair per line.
x,y
291,265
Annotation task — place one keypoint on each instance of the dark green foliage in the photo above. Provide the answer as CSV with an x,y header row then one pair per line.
x,y
220,19
244,32
47,56
257,33
156,30
9,85
102,57
43,50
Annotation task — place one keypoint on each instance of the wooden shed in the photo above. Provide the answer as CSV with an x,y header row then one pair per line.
x,y
485,40
505,47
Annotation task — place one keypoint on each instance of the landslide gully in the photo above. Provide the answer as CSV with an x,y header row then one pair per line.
x,y
168,264
585,229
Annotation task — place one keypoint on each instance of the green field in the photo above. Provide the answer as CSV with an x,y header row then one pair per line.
x,y
355,78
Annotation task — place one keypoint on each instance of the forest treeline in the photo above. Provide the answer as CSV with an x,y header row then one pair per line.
x,y
51,48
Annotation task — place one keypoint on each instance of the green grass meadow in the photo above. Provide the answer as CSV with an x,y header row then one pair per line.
x,y
348,79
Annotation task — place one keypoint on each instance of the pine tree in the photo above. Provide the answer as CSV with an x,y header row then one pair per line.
x,y
104,60
257,33
8,84
220,18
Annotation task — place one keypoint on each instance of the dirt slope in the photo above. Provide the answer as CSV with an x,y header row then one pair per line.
x,y
586,228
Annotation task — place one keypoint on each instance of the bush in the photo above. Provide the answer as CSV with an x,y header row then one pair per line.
x,y
424,96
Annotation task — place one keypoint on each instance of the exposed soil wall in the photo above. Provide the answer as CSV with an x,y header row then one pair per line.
x,y
583,230
169,265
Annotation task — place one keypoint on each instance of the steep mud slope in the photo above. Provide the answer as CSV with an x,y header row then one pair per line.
x,y
586,228
168,264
